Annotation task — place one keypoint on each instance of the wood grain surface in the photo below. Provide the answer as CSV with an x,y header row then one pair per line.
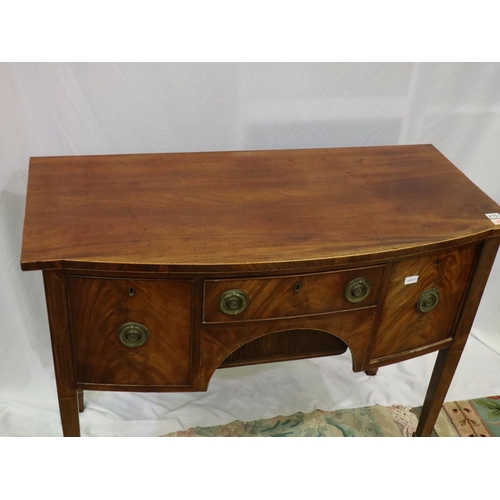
x,y
277,297
241,210
403,327
99,307
62,350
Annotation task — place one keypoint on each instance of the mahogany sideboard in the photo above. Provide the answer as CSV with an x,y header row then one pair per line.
x,y
161,268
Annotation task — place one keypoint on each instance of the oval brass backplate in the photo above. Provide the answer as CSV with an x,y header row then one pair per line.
x,y
357,290
133,334
428,300
233,302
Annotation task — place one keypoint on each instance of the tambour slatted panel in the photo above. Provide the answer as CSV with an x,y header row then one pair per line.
x,y
285,345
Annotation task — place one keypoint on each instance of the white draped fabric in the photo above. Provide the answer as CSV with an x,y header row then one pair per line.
x,y
103,108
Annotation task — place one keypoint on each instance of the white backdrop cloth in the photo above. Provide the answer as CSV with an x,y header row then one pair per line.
x,y
101,108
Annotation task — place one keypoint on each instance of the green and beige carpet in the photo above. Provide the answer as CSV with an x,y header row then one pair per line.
x,y
473,418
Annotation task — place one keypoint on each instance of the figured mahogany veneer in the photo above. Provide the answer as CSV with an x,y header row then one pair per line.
x,y
161,268
99,306
447,271
278,298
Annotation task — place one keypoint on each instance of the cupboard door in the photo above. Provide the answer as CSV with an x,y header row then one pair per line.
x,y
131,331
422,300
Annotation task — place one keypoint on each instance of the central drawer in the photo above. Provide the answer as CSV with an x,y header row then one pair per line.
x,y
290,296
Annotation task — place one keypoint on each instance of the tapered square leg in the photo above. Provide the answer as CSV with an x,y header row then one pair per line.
x,y
81,405
62,351
441,378
70,421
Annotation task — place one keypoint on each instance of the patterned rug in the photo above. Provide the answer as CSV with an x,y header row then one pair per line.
x,y
474,418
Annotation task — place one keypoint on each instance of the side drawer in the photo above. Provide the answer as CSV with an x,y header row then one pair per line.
x,y
289,296
109,347
422,301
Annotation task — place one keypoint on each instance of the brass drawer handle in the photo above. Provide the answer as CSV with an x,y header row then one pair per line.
x,y
428,300
133,334
357,290
233,302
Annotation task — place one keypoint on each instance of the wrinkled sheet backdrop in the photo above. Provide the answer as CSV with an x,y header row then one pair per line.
x,y
81,109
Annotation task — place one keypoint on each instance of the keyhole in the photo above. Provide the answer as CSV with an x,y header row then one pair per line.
x,y
297,287
131,291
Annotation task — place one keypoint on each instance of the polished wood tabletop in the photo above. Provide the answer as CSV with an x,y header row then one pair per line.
x,y
246,210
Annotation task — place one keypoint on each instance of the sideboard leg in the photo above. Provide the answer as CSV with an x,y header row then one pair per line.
x,y
81,406
371,371
442,375
68,408
62,351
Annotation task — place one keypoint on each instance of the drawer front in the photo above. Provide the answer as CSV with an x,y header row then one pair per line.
x,y
105,314
423,311
290,296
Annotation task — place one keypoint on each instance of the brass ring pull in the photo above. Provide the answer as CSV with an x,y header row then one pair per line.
x,y
133,334
233,302
357,290
428,300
